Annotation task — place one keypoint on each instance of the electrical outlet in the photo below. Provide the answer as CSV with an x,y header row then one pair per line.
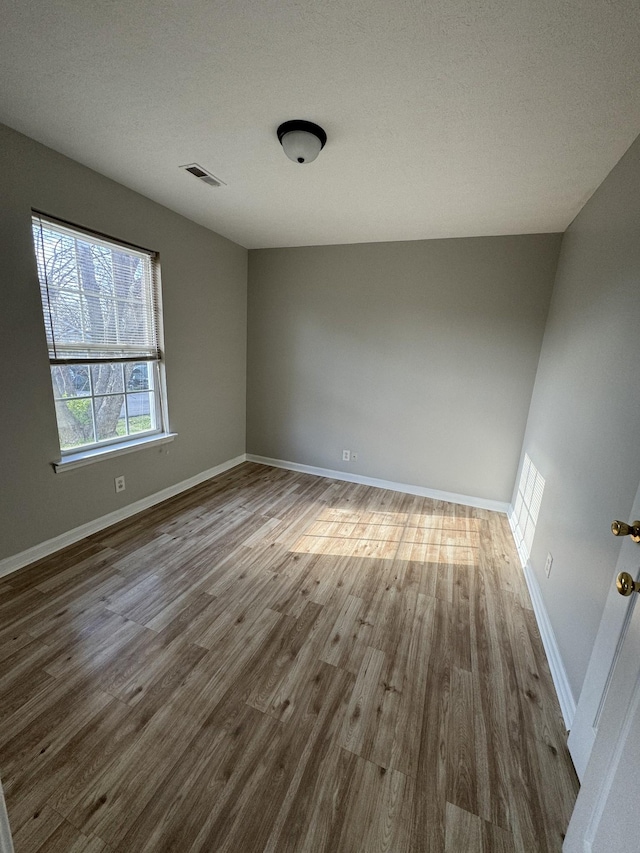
x,y
548,564
120,486
354,456
346,455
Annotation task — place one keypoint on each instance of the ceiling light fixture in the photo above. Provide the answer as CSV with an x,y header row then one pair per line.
x,y
302,140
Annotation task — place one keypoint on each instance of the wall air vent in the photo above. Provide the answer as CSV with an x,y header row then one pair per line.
x,y
202,175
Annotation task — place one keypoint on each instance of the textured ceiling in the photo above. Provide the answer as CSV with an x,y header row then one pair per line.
x,y
444,119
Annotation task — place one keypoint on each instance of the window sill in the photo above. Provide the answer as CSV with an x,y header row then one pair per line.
x,y
99,454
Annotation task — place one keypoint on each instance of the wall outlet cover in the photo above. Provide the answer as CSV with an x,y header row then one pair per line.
x,y
548,564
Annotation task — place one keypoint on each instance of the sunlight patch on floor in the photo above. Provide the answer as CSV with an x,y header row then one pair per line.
x,y
417,537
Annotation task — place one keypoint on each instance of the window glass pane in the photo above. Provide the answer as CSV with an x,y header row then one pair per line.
x,y
110,416
71,380
107,378
138,376
75,423
141,412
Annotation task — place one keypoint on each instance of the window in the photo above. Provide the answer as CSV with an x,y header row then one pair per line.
x,y
101,309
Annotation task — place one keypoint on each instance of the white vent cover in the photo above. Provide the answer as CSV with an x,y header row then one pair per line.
x,y
202,175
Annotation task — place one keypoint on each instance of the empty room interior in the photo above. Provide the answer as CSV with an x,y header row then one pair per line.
x,y
320,427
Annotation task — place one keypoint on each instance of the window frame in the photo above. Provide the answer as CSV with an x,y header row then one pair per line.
x,y
78,455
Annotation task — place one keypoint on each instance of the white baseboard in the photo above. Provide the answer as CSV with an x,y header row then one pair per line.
x,y
554,658
422,491
44,549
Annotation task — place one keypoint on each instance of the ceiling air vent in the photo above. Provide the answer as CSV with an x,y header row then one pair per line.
x,y
203,175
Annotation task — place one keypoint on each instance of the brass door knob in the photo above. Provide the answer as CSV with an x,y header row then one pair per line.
x,y
619,528
626,584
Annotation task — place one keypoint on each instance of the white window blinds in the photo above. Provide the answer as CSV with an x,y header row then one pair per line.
x,y
100,300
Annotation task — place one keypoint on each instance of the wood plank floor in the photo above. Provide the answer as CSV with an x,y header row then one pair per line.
x,y
278,662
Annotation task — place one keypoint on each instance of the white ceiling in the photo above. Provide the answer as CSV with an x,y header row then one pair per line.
x,y
445,118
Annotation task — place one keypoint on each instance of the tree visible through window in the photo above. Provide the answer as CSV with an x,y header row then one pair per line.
x,y
100,303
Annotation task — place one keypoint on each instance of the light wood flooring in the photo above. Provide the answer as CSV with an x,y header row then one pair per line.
x,y
278,662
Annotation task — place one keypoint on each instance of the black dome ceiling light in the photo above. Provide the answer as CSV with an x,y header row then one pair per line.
x,y
302,140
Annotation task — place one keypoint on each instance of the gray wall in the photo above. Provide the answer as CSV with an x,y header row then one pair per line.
x,y
583,431
204,292
421,356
